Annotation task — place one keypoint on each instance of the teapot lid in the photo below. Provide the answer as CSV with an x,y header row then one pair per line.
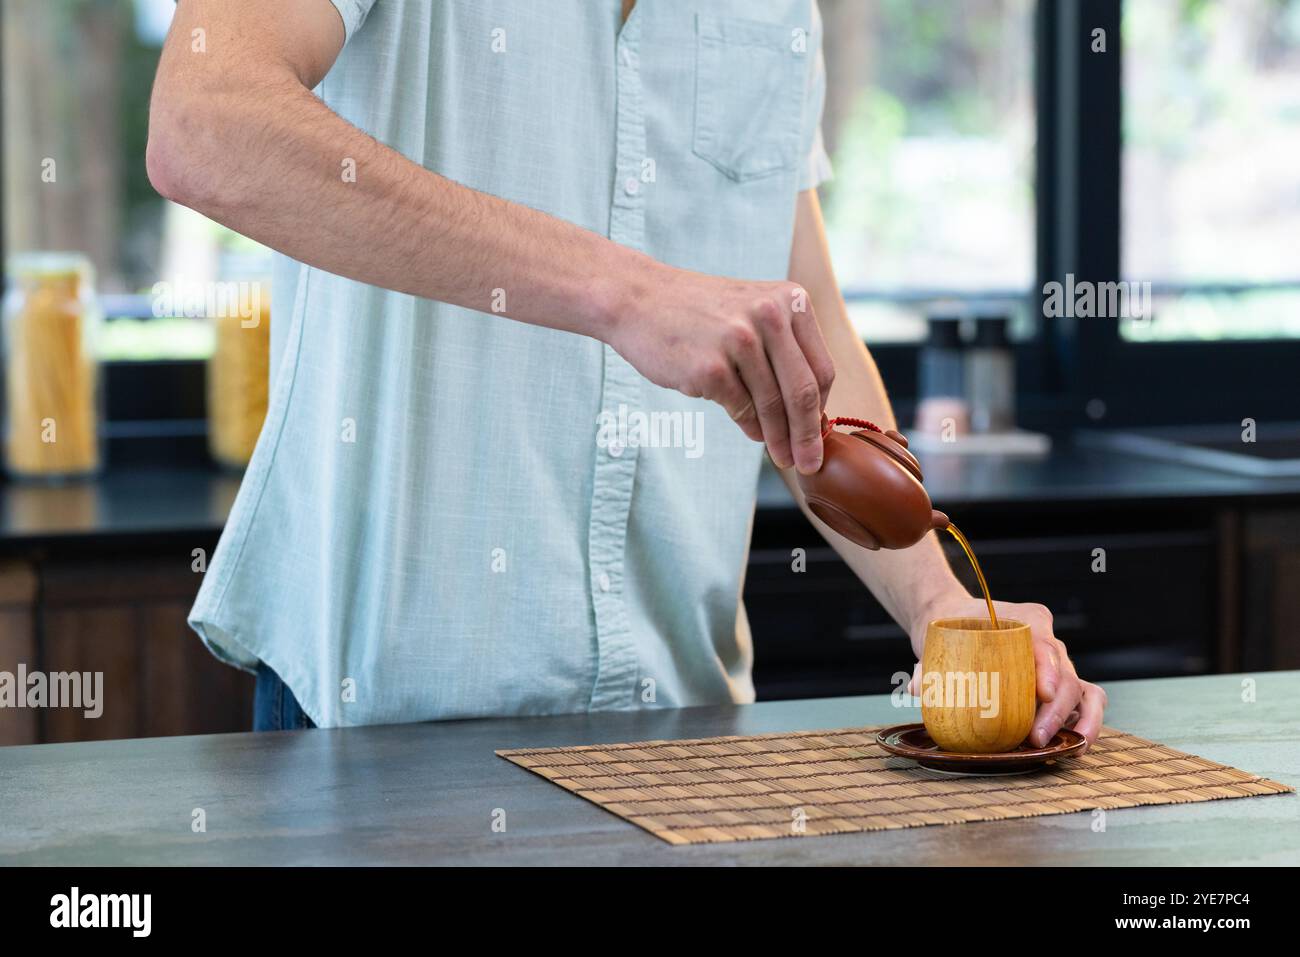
x,y
890,441
894,445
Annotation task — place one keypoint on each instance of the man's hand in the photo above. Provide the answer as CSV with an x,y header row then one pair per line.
x,y
755,348
1065,700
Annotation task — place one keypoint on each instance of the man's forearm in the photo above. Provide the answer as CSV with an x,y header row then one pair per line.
x,y
904,581
272,167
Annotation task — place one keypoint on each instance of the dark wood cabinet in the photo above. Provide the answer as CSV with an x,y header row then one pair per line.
x,y
17,645
1270,589
1154,612
124,621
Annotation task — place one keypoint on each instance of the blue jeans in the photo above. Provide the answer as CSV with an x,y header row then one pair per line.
x,y
274,706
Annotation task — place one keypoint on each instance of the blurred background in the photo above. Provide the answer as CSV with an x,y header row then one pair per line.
x,y
983,149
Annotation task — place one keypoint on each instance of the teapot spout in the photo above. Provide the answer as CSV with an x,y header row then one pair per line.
x,y
938,520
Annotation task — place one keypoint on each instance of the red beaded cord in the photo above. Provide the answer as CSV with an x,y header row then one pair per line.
x,y
856,423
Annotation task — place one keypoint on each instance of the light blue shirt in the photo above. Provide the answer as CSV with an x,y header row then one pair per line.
x,y
452,514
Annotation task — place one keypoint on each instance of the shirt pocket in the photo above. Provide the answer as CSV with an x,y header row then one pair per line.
x,y
749,81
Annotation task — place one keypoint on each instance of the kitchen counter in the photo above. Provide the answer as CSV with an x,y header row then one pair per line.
x,y
157,502
118,505
426,794
143,502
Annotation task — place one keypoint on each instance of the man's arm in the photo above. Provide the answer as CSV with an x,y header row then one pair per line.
x,y
236,133
916,585
904,581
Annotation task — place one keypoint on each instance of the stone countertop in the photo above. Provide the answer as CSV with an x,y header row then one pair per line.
x,y
425,793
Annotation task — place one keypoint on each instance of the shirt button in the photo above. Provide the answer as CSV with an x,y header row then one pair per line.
x,y
631,186
626,56
615,449
603,582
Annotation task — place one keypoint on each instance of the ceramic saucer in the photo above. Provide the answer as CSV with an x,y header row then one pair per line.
x,y
912,741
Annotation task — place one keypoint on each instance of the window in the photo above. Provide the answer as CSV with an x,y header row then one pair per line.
x,y
930,123
1211,179
77,79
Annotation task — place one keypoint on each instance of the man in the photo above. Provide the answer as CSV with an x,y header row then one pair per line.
x,y
503,222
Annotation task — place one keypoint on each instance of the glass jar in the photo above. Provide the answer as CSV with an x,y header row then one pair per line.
x,y
991,377
238,374
52,378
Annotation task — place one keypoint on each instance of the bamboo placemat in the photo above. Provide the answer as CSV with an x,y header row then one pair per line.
x,y
828,782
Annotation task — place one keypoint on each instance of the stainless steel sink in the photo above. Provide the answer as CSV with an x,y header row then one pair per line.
x,y
1274,452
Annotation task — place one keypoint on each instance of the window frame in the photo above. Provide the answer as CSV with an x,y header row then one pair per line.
x,y
1080,230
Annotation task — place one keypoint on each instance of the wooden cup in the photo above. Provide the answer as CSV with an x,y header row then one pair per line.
x,y
978,684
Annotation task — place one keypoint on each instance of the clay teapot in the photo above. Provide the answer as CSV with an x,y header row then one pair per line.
x,y
869,487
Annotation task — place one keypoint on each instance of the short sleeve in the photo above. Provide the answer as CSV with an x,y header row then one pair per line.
x,y
815,164
354,13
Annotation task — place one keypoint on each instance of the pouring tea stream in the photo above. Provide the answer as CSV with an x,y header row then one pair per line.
x,y
869,489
